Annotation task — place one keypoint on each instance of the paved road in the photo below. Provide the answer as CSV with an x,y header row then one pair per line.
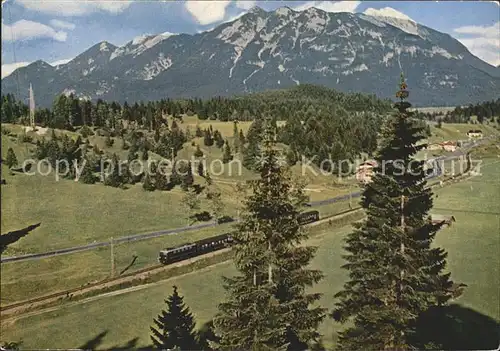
x,y
138,237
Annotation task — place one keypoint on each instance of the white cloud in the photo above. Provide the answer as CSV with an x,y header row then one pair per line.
x,y
245,4
75,7
26,30
482,41
8,68
206,12
62,24
386,12
330,6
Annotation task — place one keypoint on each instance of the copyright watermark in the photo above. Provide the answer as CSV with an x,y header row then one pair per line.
x,y
311,166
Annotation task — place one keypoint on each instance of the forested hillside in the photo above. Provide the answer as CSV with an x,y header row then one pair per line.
x,y
299,102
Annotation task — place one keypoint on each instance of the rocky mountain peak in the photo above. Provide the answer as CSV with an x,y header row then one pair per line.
x,y
277,49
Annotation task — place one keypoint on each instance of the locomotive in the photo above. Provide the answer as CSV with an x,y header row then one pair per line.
x,y
215,243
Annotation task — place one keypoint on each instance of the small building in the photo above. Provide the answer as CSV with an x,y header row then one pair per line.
x,y
449,146
365,171
442,219
475,134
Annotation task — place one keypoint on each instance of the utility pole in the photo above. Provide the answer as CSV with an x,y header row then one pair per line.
x,y
112,259
350,197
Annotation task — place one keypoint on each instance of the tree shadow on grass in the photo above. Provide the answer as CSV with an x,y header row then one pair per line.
x,y
95,343
456,327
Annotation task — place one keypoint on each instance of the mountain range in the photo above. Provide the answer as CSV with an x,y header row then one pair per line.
x,y
271,50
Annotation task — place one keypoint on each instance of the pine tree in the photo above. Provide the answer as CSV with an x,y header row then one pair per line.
x,y
187,176
87,176
242,138
201,170
144,155
236,139
227,156
198,152
394,272
174,328
11,159
251,154
267,307
214,195
148,183
208,139
115,179
161,179
192,204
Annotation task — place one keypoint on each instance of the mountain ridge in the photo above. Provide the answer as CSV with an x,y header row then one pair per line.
x,y
263,50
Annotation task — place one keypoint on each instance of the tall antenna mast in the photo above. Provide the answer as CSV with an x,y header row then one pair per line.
x,y
32,107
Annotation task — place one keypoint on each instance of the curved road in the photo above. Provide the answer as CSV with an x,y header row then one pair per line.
x,y
138,237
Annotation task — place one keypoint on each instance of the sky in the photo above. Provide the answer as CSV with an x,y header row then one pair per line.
x,y
58,30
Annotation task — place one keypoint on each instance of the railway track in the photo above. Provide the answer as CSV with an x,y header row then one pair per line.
x,y
13,310
43,300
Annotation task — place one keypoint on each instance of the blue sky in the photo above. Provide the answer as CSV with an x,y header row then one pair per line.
x,y
56,31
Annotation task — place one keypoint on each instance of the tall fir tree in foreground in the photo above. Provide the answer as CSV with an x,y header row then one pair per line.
x,y
174,327
394,273
267,307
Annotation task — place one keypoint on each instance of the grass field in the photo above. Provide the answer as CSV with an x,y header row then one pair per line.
x,y
456,131
25,280
472,242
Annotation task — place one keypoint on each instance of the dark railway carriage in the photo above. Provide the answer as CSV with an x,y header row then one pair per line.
x,y
201,247
186,251
179,253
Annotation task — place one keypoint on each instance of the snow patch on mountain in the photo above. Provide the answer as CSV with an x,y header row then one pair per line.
x,y
316,22
359,68
440,51
86,72
140,44
372,20
156,67
283,11
104,47
387,57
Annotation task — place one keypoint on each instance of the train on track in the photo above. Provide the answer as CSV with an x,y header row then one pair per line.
x,y
215,243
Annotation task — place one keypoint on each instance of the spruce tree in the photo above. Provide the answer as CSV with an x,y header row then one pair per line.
x,y
227,156
148,183
87,176
192,203
115,179
267,307
394,272
214,195
187,176
201,170
198,152
11,159
144,155
236,139
161,179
